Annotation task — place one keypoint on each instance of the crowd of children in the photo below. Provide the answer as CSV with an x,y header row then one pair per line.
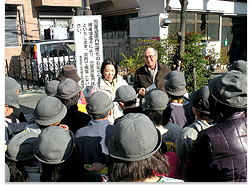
x,y
167,138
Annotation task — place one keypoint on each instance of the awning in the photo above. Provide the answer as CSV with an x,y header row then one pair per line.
x,y
54,15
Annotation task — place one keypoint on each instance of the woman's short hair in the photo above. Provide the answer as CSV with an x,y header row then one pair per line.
x,y
112,62
119,171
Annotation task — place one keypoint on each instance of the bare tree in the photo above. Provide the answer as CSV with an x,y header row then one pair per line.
x,y
181,33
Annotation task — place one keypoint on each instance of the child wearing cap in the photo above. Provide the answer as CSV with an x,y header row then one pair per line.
x,y
55,151
178,111
91,141
135,145
68,91
239,65
21,160
49,111
201,109
127,99
51,87
155,102
11,102
12,86
219,154
70,71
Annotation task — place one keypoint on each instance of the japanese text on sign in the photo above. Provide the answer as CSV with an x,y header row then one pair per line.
x,y
88,48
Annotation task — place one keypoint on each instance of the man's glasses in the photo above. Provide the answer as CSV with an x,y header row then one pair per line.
x,y
150,56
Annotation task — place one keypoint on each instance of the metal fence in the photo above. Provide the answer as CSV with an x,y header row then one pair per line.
x,y
29,73
114,52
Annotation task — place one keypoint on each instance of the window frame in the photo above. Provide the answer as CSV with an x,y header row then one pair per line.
x,y
206,21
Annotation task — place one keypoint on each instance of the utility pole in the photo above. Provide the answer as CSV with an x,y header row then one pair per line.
x,y
181,33
86,11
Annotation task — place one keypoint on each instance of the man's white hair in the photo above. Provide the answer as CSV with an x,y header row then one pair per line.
x,y
156,52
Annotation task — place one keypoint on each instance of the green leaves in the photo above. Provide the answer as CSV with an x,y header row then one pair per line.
x,y
168,49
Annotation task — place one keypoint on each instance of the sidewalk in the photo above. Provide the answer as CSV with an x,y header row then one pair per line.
x,y
32,91
28,100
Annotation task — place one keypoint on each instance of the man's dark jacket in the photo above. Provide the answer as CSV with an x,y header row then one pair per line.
x,y
219,153
142,77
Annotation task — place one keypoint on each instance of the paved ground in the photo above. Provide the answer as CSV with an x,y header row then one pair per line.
x,y
28,100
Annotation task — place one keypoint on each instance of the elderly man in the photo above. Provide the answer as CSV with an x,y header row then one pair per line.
x,y
151,73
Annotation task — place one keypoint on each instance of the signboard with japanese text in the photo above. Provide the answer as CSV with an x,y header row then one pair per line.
x,y
88,48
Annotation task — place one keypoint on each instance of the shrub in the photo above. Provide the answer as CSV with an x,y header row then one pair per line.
x,y
168,51
193,60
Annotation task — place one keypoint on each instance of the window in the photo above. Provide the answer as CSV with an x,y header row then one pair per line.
x,y
234,37
209,23
11,31
58,49
47,27
227,32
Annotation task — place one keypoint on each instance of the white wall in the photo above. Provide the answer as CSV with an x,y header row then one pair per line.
x,y
151,7
144,26
228,7
148,26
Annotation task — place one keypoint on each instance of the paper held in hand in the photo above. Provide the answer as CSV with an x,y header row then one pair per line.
x,y
151,87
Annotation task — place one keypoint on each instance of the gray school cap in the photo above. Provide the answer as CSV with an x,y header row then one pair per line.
x,y
175,83
239,65
99,103
230,89
11,99
54,145
21,146
51,87
49,110
155,100
11,84
125,93
67,89
134,138
199,100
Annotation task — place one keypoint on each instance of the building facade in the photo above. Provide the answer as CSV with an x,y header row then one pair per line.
x,y
27,20
224,21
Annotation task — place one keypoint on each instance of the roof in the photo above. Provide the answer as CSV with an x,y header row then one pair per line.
x,y
48,41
